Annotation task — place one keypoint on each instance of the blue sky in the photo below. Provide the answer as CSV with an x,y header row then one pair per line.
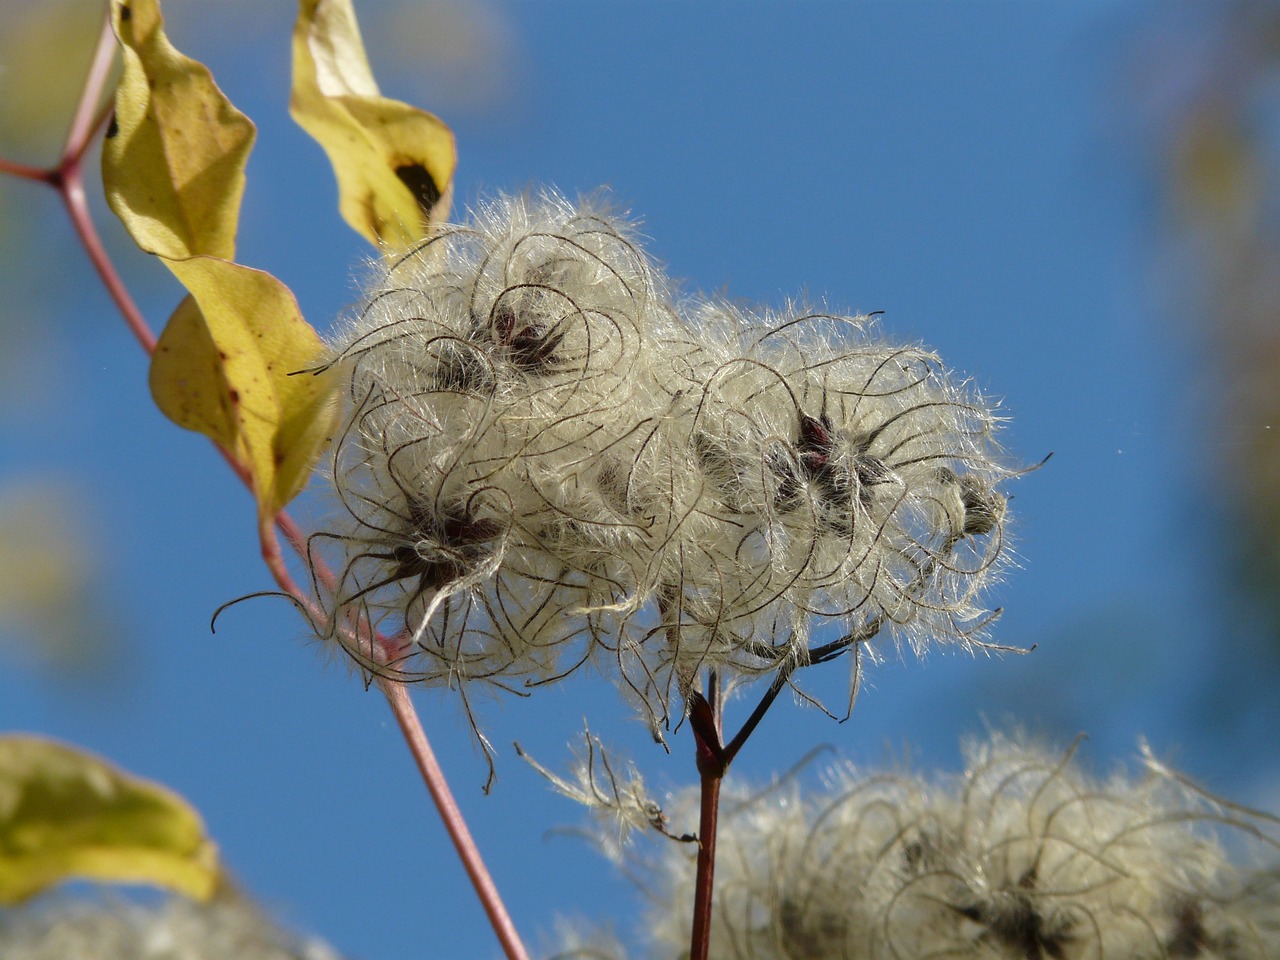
x,y
963,167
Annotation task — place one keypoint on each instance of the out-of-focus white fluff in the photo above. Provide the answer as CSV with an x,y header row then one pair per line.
x,y
1021,856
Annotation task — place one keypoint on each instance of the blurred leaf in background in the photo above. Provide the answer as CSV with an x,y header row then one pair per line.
x,y
53,42
1204,122
67,814
1209,81
53,615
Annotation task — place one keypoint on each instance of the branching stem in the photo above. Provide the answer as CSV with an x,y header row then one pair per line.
x,y
780,680
67,178
714,758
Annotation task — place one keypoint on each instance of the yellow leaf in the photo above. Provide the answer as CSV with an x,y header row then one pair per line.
x,y
173,162
188,382
394,163
66,814
173,168
226,364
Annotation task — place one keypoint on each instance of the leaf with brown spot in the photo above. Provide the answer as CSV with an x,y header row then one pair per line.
x,y
227,374
394,162
66,814
174,167
187,378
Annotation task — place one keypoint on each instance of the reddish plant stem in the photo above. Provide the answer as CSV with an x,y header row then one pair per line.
x,y
713,760
298,541
67,178
407,717
704,884
23,171
274,559
83,123
73,197
704,720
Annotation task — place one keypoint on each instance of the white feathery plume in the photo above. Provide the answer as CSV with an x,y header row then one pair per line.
x,y
544,461
1021,857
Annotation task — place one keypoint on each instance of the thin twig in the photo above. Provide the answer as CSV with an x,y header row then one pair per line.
x,y
407,718
814,655
26,172
780,680
89,112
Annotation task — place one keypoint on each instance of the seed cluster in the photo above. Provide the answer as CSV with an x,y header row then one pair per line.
x,y
64,927
1022,857
546,460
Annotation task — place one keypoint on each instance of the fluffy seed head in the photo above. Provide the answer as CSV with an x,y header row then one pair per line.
x,y
489,375
1021,857
545,461
829,476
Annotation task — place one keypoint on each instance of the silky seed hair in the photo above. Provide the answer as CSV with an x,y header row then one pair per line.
x,y
615,793
492,375
819,475
1022,857
545,461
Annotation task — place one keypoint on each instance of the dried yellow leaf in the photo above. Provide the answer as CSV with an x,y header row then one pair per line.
x,y
188,381
229,365
66,814
173,162
173,168
394,163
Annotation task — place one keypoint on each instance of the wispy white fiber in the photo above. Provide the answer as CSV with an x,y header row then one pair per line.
x,y
546,460
1021,857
